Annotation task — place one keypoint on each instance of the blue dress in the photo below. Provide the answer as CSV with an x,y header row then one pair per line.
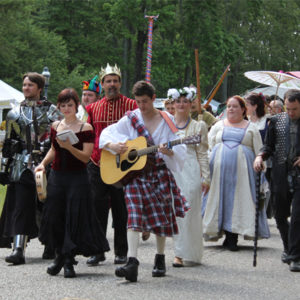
x,y
232,198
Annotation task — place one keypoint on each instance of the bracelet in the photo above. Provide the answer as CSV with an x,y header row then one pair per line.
x,y
169,145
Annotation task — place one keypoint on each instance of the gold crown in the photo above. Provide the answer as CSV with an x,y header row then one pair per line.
x,y
109,70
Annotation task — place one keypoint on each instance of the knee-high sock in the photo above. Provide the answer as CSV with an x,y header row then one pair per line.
x,y
160,244
133,238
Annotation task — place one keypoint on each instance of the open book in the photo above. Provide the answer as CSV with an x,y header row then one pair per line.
x,y
63,135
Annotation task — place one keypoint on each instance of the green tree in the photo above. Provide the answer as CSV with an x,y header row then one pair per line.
x,y
27,47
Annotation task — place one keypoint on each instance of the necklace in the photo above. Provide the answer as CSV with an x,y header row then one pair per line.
x,y
186,124
69,124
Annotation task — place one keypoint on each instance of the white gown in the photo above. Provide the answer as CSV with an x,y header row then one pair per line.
x,y
188,244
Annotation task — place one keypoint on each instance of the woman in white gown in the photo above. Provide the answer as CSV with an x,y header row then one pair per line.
x,y
256,104
192,180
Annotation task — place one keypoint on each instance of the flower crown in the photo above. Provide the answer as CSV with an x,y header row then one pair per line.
x,y
189,93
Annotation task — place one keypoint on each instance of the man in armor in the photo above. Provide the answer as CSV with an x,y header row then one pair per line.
x,y
90,93
109,110
282,143
26,142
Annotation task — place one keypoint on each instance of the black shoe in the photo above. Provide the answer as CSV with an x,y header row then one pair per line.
x,y
129,271
69,271
231,247
159,269
48,253
56,266
230,241
17,257
284,257
119,260
177,263
95,259
295,266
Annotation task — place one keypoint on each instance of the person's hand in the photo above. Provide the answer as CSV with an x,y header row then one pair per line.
x,y
64,144
258,164
40,167
205,188
119,148
165,150
297,162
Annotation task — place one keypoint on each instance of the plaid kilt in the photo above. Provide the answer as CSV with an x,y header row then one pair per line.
x,y
150,203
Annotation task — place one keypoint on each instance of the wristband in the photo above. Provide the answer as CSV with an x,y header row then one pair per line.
x,y
169,145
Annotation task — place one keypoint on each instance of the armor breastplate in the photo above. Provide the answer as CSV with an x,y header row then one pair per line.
x,y
282,134
34,136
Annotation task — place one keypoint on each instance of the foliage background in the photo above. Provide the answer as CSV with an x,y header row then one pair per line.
x,y
74,38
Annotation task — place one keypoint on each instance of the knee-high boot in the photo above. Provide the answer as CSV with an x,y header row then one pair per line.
x,y
18,255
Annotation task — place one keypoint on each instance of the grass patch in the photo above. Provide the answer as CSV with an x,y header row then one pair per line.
x,y
2,197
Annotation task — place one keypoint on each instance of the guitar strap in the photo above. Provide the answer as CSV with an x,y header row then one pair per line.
x,y
140,127
168,121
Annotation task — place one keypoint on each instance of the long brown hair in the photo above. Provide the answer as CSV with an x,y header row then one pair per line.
x,y
257,99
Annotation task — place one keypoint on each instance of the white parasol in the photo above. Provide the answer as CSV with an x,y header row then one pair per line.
x,y
274,79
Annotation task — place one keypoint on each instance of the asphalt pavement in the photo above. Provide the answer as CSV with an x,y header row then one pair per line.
x,y
222,275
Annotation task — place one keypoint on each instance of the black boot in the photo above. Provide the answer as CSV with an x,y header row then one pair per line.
x,y
17,257
57,265
129,271
230,241
69,271
159,269
95,259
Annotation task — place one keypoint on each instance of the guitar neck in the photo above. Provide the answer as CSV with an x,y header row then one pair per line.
x,y
153,149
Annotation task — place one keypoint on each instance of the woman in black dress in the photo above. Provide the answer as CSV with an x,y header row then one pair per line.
x,y
69,224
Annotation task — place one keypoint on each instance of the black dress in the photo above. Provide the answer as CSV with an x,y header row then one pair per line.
x,y
69,223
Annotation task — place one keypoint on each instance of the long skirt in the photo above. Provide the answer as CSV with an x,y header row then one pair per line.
x,y
69,222
20,207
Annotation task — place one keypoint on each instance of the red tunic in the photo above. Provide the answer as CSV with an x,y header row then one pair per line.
x,y
106,112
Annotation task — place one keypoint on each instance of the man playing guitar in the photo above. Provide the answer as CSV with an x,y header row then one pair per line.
x,y
149,196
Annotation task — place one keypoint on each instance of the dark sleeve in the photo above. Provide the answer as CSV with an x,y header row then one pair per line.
x,y
52,135
88,136
268,148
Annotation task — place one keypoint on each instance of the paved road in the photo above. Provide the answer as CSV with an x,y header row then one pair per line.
x,y
223,275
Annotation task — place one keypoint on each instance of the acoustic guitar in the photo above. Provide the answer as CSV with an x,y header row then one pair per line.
x,y
113,168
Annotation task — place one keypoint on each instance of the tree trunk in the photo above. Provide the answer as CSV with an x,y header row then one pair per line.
x,y
141,39
124,88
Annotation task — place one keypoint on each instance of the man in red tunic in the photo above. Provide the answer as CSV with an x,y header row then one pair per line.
x,y
102,113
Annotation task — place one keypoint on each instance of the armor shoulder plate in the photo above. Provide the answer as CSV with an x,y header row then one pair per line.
x,y
53,113
13,114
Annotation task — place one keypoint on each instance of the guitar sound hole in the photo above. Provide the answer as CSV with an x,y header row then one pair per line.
x,y
132,155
